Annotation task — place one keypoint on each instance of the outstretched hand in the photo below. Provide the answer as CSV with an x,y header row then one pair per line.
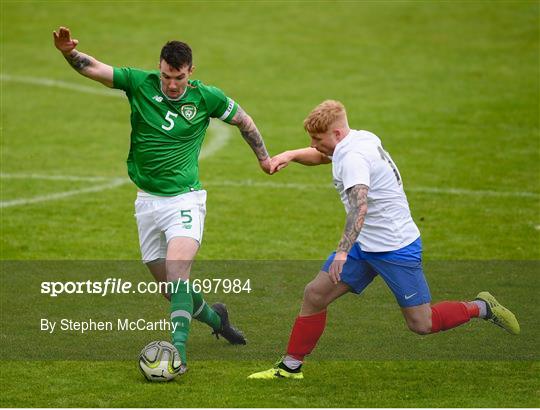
x,y
279,162
63,40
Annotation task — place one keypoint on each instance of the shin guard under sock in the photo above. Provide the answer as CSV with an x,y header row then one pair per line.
x,y
447,315
181,313
305,334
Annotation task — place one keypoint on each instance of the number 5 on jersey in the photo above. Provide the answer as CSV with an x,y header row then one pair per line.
x,y
169,120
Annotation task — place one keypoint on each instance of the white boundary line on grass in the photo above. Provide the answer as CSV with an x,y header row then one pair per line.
x,y
221,134
55,177
219,137
472,192
49,82
428,190
116,182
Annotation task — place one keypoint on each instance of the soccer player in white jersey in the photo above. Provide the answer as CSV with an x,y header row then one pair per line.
x,y
170,114
380,238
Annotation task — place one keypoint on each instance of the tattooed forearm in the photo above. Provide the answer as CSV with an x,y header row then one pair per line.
x,y
251,134
78,61
357,196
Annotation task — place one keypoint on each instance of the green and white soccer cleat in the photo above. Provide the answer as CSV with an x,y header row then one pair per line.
x,y
498,314
278,372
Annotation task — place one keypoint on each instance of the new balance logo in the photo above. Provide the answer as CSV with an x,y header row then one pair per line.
x,y
407,297
158,98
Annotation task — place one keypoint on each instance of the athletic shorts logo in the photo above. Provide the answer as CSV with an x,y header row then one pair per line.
x,y
188,111
407,297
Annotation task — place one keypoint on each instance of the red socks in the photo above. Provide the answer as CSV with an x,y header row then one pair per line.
x,y
305,334
447,315
474,310
308,329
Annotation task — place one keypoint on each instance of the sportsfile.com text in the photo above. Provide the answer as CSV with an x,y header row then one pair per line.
x,y
117,286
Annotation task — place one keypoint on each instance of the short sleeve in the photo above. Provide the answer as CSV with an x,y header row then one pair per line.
x,y
218,104
128,79
355,170
121,78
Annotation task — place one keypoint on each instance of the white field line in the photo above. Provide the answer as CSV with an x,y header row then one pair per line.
x,y
248,183
221,134
442,191
60,195
471,192
218,138
55,177
49,82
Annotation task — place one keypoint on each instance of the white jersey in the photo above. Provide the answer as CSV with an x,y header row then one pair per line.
x,y
360,159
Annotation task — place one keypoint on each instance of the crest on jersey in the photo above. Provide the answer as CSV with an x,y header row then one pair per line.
x,y
188,111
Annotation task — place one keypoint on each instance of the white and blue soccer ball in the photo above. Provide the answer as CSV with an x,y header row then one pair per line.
x,y
159,361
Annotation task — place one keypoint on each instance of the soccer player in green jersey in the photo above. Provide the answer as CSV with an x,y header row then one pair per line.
x,y
169,117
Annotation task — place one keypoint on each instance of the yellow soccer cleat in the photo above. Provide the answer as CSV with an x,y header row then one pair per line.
x,y
277,372
498,314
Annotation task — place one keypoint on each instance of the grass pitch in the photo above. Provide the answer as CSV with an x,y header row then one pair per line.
x,y
451,88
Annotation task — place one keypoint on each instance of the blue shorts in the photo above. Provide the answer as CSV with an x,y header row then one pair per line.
x,y
400,269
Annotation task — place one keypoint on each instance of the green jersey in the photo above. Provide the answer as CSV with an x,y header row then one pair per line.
x,y
167,135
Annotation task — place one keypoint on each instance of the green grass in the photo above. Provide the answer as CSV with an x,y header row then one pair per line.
x,y
452,88
223,384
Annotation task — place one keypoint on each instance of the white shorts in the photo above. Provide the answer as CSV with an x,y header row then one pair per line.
x,y
161,218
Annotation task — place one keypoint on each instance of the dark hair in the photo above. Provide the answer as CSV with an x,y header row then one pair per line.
x,y
176,54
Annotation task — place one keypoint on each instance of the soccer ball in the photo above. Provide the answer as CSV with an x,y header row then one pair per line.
x,y
159,361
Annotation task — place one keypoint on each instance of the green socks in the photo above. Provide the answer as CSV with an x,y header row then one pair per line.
x,y
204,313
186,304
181,313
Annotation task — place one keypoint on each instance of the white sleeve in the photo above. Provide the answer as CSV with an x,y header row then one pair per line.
x,y
355,170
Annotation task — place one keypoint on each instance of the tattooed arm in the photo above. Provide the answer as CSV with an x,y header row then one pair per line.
x,y
357,196
253,137
82,63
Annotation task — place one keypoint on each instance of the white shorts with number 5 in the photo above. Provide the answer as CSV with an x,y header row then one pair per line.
x,y
161,218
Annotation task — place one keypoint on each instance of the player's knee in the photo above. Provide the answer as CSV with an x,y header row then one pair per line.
x,y
314,297
420,326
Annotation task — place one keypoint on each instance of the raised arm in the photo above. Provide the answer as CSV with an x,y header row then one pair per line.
x,y
305,156
82,63
357,196
253,137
